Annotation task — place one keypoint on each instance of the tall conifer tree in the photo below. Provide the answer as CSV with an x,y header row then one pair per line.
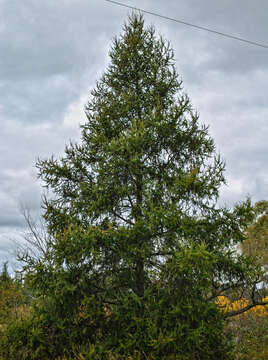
x,y
140,248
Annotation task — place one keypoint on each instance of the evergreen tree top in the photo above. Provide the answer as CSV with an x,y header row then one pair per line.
x,y
141,136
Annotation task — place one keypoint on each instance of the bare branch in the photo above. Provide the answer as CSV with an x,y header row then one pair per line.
x,y
37,241
122,218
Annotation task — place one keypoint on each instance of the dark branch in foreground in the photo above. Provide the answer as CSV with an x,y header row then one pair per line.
x,y
246,308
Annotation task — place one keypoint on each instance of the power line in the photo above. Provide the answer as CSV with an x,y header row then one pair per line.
x,y
190,24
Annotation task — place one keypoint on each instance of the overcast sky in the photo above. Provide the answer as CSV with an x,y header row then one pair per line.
x,y
52,53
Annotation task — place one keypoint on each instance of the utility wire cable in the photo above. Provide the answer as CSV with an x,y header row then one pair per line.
x,y
190,24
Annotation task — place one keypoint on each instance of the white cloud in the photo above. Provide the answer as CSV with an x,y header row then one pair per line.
x,y
75,114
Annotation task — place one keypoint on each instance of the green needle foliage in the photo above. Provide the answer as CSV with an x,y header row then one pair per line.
x,y
139,249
